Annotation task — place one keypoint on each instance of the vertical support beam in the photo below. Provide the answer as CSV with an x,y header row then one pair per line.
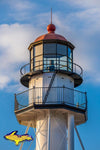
x,y
70,132
49,126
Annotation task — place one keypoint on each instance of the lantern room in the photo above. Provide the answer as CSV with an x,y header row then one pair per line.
x,y
51,52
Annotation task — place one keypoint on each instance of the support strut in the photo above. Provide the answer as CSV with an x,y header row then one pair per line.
x,y
79,138
25,133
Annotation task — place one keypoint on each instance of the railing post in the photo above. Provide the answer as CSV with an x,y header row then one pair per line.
x,y
16,103
72,66
75,68
39,64
86,99
34,95
24,70
63,93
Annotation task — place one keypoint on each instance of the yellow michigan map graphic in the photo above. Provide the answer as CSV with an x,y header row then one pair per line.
x,y
18,138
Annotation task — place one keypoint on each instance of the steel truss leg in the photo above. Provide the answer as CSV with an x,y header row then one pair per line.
x,y
70,132
79,138
49,126
25,133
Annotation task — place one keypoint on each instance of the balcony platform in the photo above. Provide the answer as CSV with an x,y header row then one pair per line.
x,y
29,113
26,111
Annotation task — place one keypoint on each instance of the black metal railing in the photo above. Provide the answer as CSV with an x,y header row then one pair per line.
x,y
57,95
46,67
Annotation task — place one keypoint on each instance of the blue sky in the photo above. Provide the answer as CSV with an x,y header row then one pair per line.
x,y
21,21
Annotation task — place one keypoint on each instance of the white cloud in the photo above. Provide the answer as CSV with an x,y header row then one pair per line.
x,y
14,41
4,80
19,10
85,16
21,5
84,3
87,19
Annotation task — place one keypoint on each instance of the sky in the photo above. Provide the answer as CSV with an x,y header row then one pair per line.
x,y
21,22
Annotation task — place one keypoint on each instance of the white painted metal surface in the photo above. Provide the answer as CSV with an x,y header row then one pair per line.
x,y
70,131
52,134
43,80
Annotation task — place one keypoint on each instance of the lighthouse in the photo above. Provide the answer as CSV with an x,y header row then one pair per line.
x,y
51,104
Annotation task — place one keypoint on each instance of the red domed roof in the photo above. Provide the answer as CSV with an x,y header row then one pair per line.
x,y
51,34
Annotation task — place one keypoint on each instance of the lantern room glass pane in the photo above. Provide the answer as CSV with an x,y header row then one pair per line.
x,y
49,64
69,53
50,48
61,57
61,62
31,56
69,64
38,50
38,63
70,61
61,49
31,64
31,53
49,57
38,57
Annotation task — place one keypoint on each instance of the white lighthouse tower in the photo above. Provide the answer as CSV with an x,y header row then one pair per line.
x,y
51,104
